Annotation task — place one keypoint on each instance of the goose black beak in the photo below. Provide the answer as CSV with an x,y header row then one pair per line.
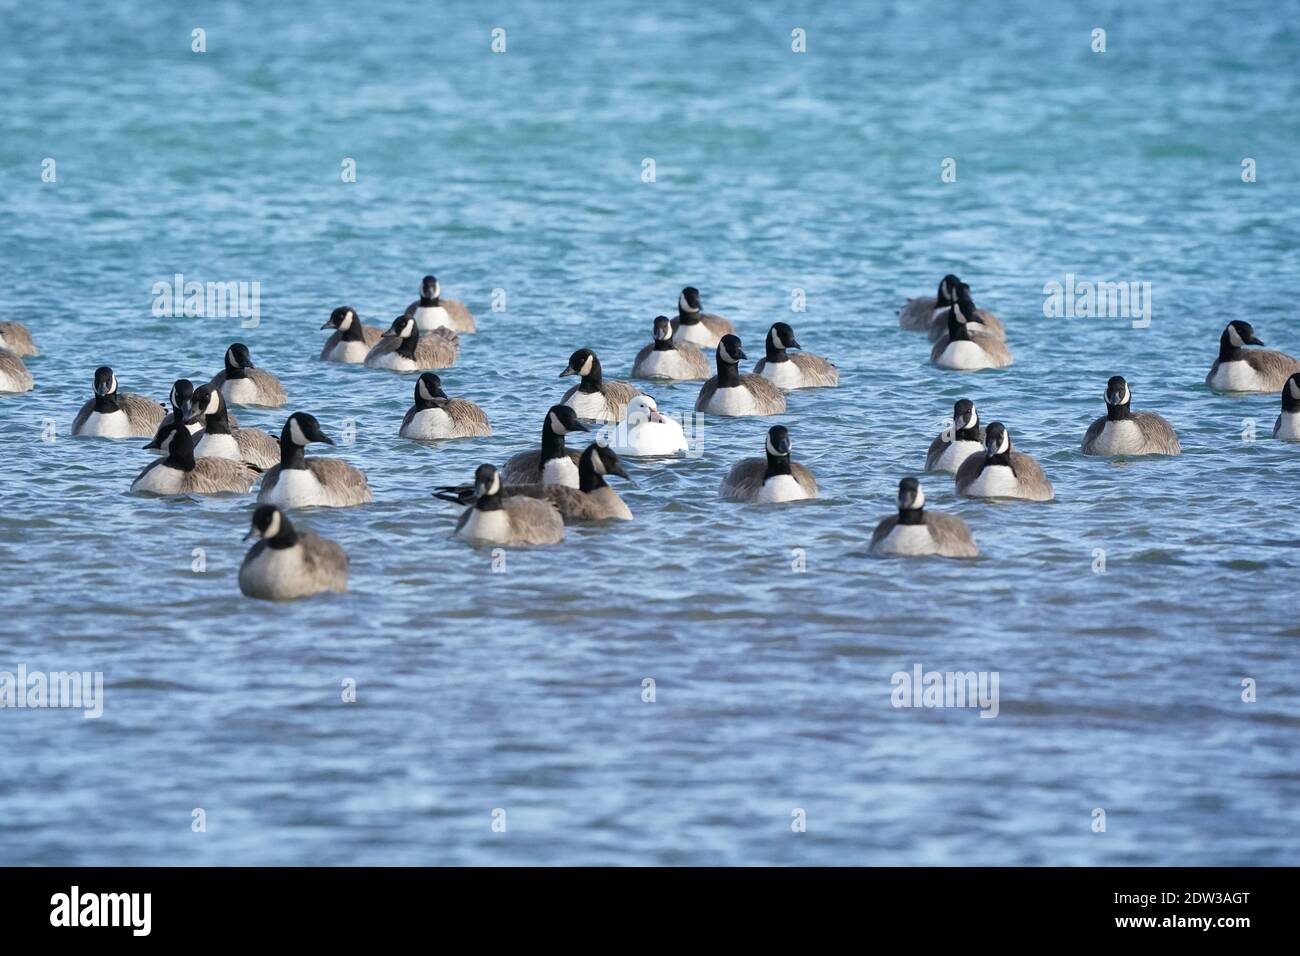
x,y
1254,340
740,354
793,345
567,371
328,325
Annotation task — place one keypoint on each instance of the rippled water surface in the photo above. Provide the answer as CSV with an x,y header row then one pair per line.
x,y
522,691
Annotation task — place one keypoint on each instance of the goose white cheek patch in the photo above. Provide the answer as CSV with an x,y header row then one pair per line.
x,y
295,432
1234,337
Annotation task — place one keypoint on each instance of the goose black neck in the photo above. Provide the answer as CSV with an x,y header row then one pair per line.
x,y
217,423
664,345
911,516
687,318
777,465
437,401
1229,352
286,537
234,371
728,374
489,502
407,348
552,444
1289,402
1117,413
957,331
775,353
291,455
182,458
427,303
354,332
967,434
1002,458
588,480
592,380
106,404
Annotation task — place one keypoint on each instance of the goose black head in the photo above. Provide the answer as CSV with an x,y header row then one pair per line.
x,y
911,497
596,462
403,327
237,357
582,363
430,290
271,525
729,350
959,319
782,336
965,419
663,330
778,442
1117,392
341,318
301,430
997,444
1236,335
105,381
487,485
428,389
949,286
1291,394
174,442
181,395
205,401
689,300
561,419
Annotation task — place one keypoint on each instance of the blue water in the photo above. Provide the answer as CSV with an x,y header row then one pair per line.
x,y
522,691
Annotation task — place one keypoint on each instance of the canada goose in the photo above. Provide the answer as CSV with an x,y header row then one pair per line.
x,y
593,398
434,415
1239,370
497,519
301,482
15,337
14,376
915,531
592,500
731,393
695,326
352,341
223,439
402,348
954,445
645,433
178,472
431,311
114,414
793,371
965,348
287,564
242,383
1287,426
553,464
665,358
1122,432
989,323
770,480
999,472
918,314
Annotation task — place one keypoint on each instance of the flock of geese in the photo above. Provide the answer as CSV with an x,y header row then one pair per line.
x,y
202,450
